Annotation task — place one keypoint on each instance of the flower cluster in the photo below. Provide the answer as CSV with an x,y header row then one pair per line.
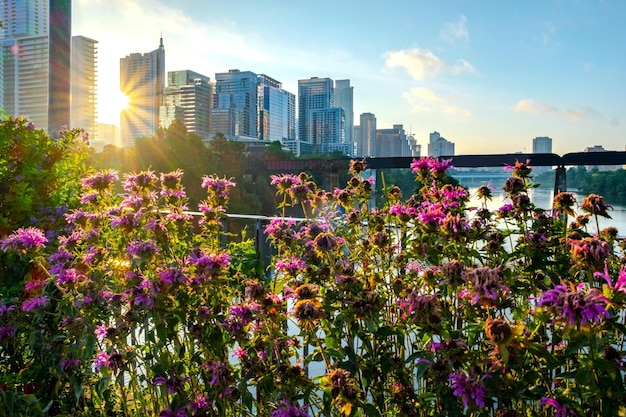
x,y
421,306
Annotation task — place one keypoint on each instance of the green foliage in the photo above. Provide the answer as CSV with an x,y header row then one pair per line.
x,y
38,174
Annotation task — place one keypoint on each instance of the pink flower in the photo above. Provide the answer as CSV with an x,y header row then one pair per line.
x,y
24,239
560,410
620,284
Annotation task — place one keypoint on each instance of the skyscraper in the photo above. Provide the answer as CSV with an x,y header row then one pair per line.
x,y
392,142
277,111
189,98
344,98
318,123
84,83
366,141
24,60
142,80
60,46
542,144
439,146
235,104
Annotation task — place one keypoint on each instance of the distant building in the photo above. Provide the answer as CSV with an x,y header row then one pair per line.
x,y
277,112
60,47
142,80
313,94
542,144
439,146
321,124
366,139
109,133
188,98
235,104
248,106
394,142
35,60
328,131
344,98
600,148
84,82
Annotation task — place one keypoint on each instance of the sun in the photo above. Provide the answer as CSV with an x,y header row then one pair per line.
x,y
110,105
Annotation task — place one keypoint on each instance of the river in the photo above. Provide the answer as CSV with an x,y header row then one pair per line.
x,y
542,197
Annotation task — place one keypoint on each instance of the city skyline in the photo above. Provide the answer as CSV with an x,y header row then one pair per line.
x,y
490,77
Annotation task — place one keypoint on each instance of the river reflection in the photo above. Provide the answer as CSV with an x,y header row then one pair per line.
x,y
542,197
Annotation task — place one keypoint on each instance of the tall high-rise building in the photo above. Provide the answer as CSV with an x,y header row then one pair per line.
x,y
235,110
542,144
60,46
188,97
394,142
277,111
328,131
321,125
142,80
439,146
366,140
34,61
84,84
344,98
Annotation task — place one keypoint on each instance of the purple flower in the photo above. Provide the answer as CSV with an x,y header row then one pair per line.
x,y
33,303
423,309
468,387
173,384
101,180
67,364
560,410
4,309
620,284
240,315
172,275
485,285
218,186
101,359
574,305
290,410
422,164
291,265
218,372
200,403
281,230
24,239
178,412
285,182
142,249
6,331
69,275
141,181
208,264
172,179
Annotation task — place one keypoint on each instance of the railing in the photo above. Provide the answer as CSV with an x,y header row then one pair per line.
x,y
332,166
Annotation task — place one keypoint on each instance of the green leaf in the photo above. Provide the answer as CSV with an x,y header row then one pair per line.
x,y
370,410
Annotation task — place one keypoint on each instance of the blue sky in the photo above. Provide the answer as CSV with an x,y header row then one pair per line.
x,y
488,75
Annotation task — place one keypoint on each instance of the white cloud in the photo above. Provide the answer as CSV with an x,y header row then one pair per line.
x,y
531,106
425,100
455,31
573,114
423,93
421,63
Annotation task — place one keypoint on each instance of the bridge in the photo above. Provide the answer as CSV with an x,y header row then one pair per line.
x,y
331,167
